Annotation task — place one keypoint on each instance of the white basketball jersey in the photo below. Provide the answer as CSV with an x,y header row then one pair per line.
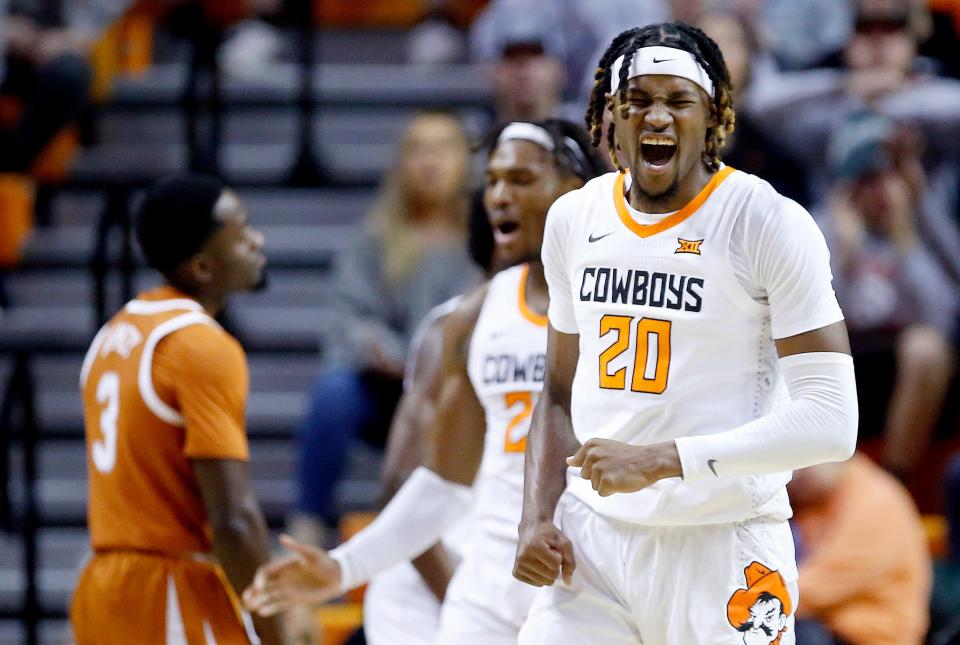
x,y
671,344
506,363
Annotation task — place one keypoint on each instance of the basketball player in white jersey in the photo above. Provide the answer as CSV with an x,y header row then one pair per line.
x,y
402,604
492,368
687,301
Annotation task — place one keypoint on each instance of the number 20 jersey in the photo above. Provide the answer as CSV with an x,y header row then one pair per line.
x,y
506,364
671,342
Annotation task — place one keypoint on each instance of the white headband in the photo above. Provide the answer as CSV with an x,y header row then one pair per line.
x,y
662,60
527,132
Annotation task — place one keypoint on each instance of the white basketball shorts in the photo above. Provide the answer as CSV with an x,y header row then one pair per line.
x,y
721,584
398,607
485,604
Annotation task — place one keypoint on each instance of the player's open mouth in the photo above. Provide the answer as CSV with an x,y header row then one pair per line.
x,y
657,150
505,230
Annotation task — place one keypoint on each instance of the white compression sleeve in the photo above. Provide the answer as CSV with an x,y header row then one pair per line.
x,y
415,519
818,425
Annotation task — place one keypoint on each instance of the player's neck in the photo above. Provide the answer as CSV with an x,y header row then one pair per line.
x,y
213,304
685,190
536,287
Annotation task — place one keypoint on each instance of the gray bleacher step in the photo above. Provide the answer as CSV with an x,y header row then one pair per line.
x,y
334,127
46,328
335,83
305,206
60,287
340,45
290,246
61,553
51,632
243,163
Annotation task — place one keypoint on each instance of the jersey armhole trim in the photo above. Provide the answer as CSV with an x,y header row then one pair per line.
x,y
148,392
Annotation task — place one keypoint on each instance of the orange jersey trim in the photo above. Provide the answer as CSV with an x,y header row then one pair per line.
x,y
537,319
646,230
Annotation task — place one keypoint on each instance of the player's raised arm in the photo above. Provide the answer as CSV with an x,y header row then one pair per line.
x,y
432,499
544,552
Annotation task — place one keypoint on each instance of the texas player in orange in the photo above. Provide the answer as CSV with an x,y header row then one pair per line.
x,y
174,524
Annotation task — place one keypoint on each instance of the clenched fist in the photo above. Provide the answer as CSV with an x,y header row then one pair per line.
x,y
543,554
617,467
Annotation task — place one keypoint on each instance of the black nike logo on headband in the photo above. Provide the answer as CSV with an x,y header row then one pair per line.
x,y
662,60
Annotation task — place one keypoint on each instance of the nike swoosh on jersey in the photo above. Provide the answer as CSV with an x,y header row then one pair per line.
x,y
598,237
710,463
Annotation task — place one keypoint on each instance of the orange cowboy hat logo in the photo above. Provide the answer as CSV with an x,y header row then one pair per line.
x,y
761,610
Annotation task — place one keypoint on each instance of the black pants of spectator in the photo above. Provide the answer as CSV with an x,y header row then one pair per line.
x,y
812,632
54,95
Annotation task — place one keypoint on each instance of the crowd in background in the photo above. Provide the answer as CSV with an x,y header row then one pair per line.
x,y
851,108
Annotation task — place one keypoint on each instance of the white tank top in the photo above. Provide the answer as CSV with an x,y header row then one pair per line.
x,y
671,345
506,363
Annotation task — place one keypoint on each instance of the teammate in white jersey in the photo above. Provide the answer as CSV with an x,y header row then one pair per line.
x,y
402,604
696,356
492,371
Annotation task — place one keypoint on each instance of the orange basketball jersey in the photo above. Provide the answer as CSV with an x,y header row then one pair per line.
x,y
162,384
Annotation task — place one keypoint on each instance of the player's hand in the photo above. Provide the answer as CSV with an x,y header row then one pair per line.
x,y
308,576
543,554
617,467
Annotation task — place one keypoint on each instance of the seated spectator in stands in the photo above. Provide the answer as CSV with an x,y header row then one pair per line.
x,y
525,45
747,148
862,557
44,56
899,304
410,258
805,33
881,71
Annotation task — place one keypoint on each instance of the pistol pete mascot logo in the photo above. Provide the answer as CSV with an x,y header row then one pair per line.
x,y
760,611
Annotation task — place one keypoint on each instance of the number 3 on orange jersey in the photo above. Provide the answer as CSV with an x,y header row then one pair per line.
x,y
105,451
642,380
516,435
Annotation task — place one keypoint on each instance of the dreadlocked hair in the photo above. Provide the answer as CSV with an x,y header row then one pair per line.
x,y
678,35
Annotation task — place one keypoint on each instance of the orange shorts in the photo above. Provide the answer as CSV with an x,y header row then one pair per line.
x,y
124,597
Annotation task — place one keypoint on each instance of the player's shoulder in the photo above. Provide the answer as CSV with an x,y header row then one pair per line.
x,y
202,344
464,316
579,206
761,201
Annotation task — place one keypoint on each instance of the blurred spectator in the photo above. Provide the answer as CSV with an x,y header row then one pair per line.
x,y
525,45
747,148
898,302
44,66
944,35
608,18
862,555
881,71
805,33
411,257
